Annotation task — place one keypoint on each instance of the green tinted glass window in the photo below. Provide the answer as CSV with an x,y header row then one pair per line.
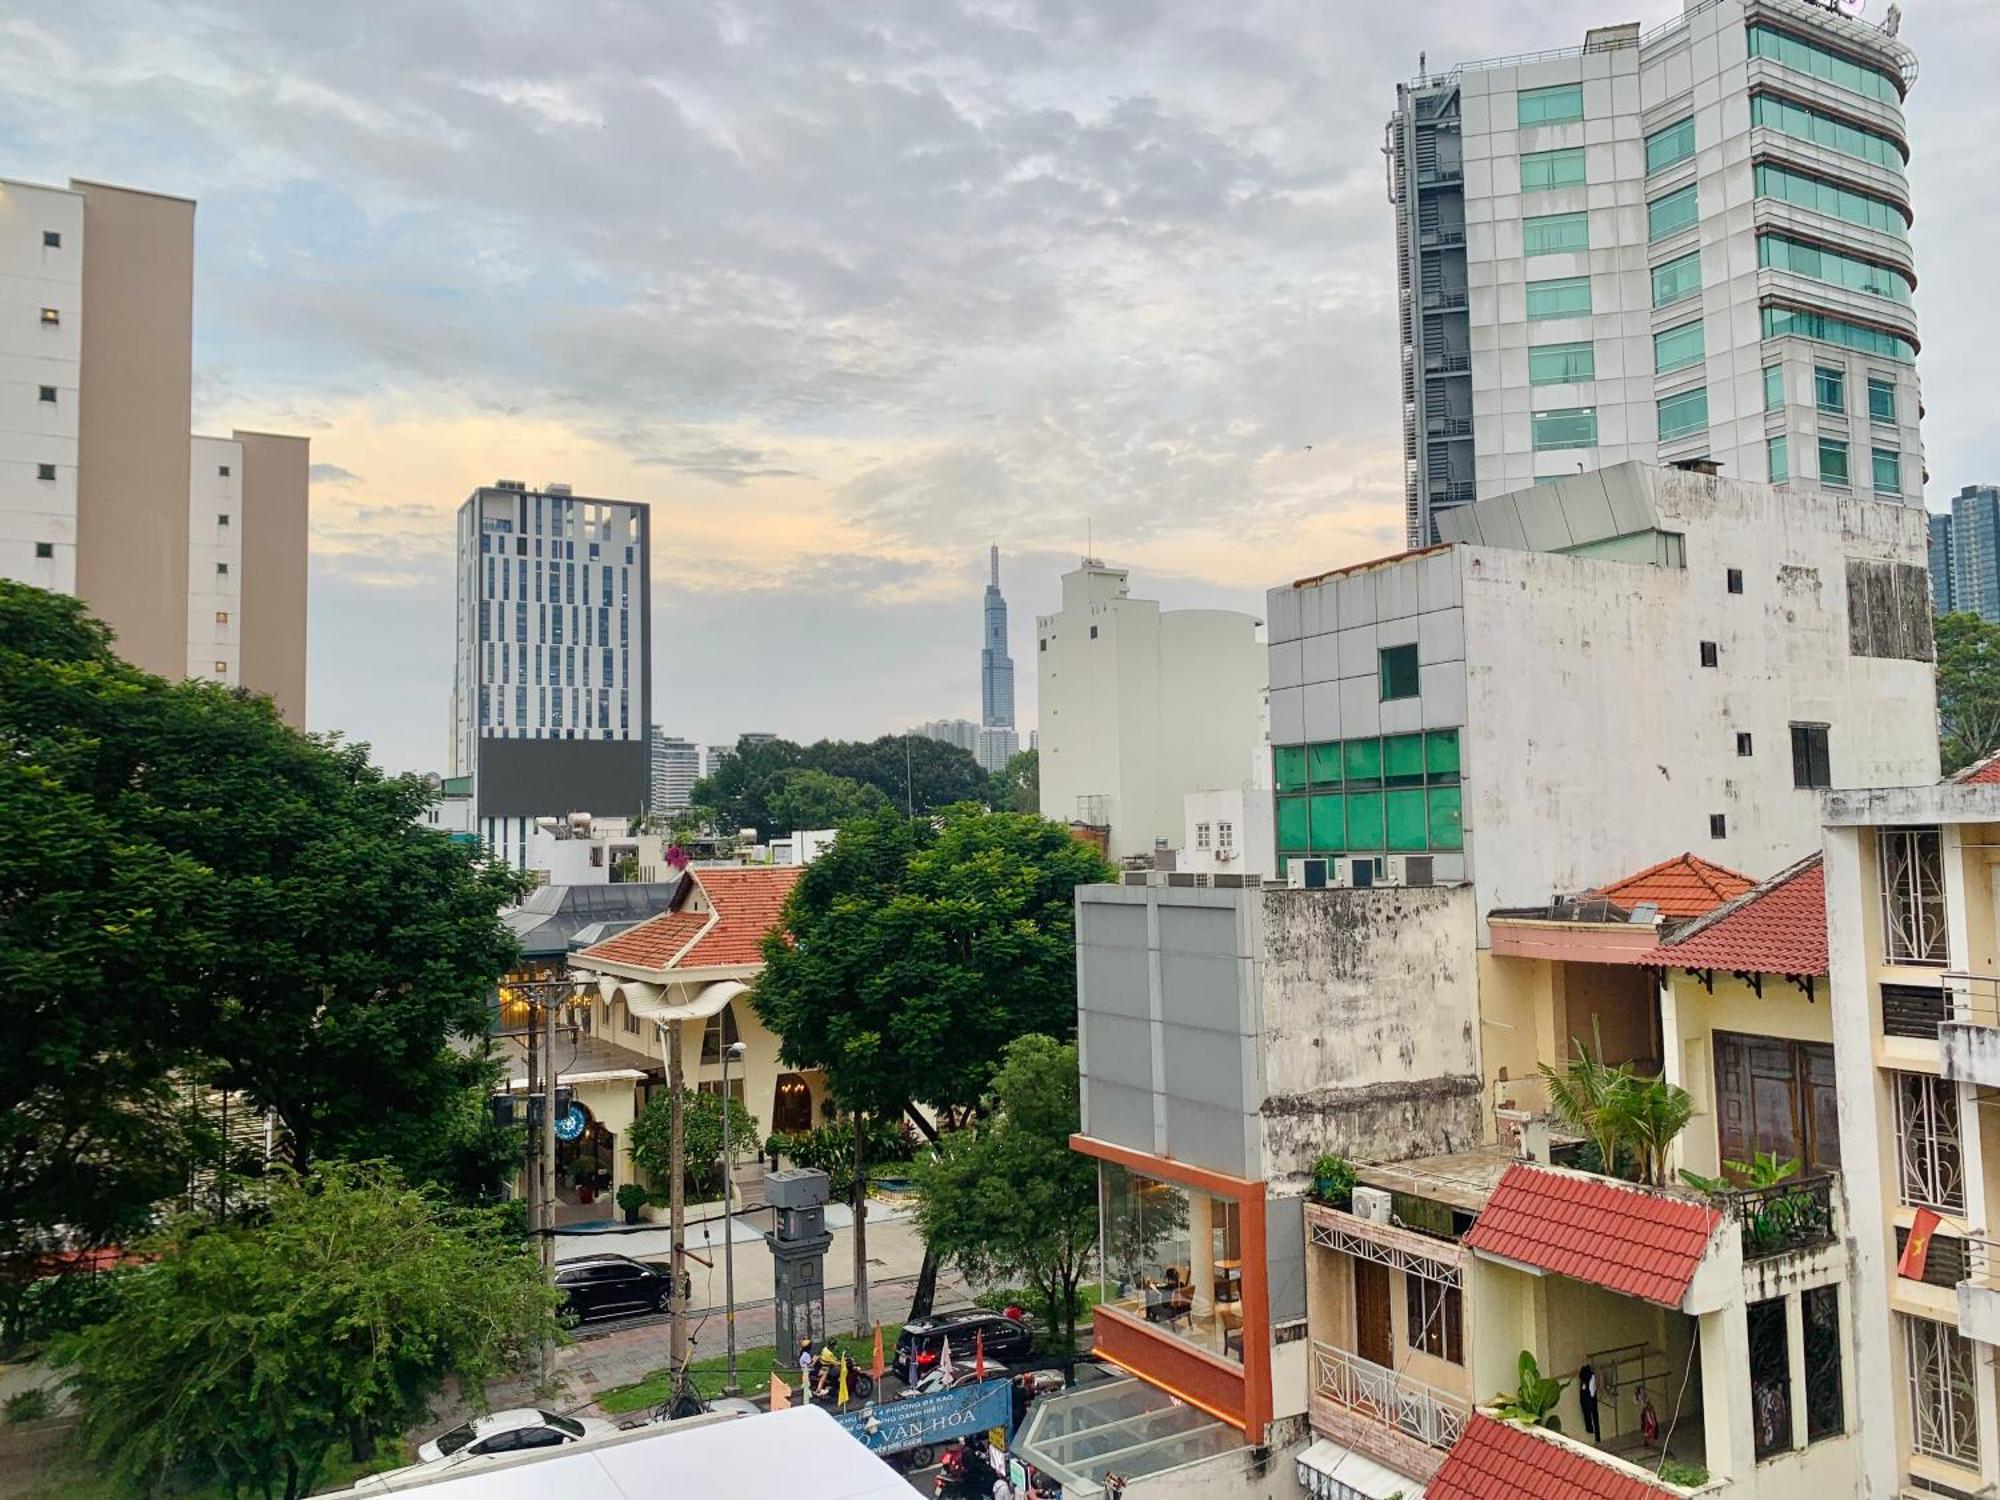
x,y
1676,279
1364,820
1674,212
1672,144
1329,824
1551,106
1441,754
1677,348
1684,413
1404,814
1294,824
1548,234
1323,763
1288,767
1774,387
1778,454
1823,197
1783,253
1881,400
1552,169
1792,322
1363,762
1446,830
1832,462
1399,672
1563,297
1888,471
1573,427
1403,760
1806,124
1836,68
1561,364
1829,389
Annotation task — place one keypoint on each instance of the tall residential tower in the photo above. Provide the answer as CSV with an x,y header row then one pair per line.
x,y
1686,244
998,739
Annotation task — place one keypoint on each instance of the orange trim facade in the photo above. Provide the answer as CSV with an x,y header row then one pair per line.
x,y
1238,1396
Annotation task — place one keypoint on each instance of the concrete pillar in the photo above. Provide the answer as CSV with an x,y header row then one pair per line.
x,y
1725,1372
1795,1361
1672,1065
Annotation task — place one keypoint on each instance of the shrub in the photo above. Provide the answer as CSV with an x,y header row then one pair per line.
x,y
30,1405
1333,1180
1680,1472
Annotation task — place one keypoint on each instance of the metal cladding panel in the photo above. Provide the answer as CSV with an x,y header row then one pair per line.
x,y
546,778
1205,1136
1203,1066
1285,1255
1118,1113
1119,1049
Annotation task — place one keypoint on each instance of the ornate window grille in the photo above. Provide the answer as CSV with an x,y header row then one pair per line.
x,y
1826,1404
1944,1417
1930,1165
1912,874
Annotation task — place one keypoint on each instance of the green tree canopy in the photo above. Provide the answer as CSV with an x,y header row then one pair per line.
x,y
1007,1200
1017,786
244,1354
649,1135
1968,689
910,772
803,798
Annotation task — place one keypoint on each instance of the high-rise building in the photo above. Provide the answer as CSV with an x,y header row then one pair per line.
x,y
717,754
192,549
960,732
996,678
676,768
1940,563
1686,244
554,678
1972,551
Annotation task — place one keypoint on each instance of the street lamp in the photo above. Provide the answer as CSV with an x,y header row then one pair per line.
x,y
729,1385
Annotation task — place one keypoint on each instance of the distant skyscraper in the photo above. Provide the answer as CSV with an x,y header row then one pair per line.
x,y
960,732
676,768
1975,551
997,740
1941,591
717,754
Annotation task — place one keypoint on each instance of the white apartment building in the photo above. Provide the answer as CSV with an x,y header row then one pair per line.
x,y
103,493
962,733
1687,243
553,684
676,767
1139,706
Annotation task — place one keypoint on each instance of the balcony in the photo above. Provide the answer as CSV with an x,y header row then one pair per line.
x,y
1393,1418
1450,362
1448,427
1444,298
1979,1291
1969,1035
1783,1219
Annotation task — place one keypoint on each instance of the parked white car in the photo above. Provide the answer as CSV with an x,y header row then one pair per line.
x,y
515,1431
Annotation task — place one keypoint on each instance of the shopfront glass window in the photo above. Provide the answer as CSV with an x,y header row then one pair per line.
x,y
1173,1256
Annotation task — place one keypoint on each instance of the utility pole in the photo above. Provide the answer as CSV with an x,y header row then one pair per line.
x,y
734,1050
531,1167
548,1146
677,1350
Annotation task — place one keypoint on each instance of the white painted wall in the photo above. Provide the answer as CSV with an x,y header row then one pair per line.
x,y
215,559
1227,832
33,275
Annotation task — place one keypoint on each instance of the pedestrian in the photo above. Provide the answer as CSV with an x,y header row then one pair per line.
x,y
806,1369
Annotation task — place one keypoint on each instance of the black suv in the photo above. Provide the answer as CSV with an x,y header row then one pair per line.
x,y
1004,1340
595,1286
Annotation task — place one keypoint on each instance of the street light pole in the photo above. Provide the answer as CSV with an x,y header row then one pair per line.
x,y
729,1386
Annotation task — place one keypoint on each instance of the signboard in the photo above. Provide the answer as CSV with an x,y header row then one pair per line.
x,y
572,1122
894,1426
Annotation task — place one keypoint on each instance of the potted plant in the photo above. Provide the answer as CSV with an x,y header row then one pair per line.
x,y
631,1198
1333,1180
1533,1403
585,1178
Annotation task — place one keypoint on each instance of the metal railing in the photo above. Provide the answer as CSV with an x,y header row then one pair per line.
x,y
1449,363
1796,1214
1433,1417
1444,297
1973,999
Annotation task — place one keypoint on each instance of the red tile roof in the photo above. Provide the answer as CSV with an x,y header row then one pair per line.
x,y
1504,1461
1681,887
653,943
1979,773
1373,562
1611,1234
1778,927
749,899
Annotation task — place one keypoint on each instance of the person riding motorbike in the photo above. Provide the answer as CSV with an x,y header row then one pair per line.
x,y
831,1368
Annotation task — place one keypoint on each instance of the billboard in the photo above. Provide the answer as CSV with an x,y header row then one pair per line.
x,y
926,1421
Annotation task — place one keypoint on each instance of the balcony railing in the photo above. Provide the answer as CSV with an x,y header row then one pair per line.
x,y
1432,1416
1796,1214
1972,999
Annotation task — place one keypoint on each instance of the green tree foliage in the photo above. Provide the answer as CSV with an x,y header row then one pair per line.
x,y
1017,786
1968,689
244,1354
190,889
804,798
911,773
701,1129
1007,1199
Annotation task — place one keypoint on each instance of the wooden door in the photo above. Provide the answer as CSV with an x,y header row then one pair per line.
x,y
1374,1339
1776,1096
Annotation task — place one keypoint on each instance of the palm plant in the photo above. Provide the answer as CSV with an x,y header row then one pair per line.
x,y
1587,1094
1648,1113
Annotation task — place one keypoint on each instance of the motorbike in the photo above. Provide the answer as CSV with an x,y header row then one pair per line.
x,y
826,1381
962,1476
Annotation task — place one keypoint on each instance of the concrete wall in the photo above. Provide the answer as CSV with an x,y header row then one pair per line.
x,y
1246,810
36,512
215,560
275,491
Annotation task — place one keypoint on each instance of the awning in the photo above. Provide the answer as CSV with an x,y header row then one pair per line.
x,y
1328,1471
1127,1427
654,1002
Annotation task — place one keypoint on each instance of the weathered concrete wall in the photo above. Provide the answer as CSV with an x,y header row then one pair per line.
x,y
1369,1012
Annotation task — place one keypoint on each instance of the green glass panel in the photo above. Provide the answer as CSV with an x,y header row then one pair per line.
x,y
1446,831
1561,364
1676,348
1778,454
1674,212
1404,812
1682,414
1441,753
1824,197
1871,278
1794,322
1676,279
1836,68
1399,674
1364,762
1774,387
1323,763
1881,400
1888,471
1573,427
1329,824
1288,766
1364,821
1550,106
1804,123
1403,759
1674,143
1294,824
1552,169
1563,297
1830,389
1551,234
1832,462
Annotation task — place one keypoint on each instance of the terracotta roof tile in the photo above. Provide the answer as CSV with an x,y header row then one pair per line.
x,y
749,899
653,943
1979,773
1778,927
1593,1229
1681,887
1502,1461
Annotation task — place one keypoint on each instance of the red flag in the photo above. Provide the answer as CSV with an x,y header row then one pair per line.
x,y
781,1394
876,1368
978,1354
1918,1246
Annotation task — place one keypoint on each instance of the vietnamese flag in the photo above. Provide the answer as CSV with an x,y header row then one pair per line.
x,y
876,1368
1918,1246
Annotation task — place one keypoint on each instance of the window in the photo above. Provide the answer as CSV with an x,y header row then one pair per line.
x,y
221,568
1565,297
1806,124
1570,427
1093,632
52,239
222,666
1888,467
222,617
1783,253
1551,106
1718,826
1910,869
1770,1377
1824,197
1774,387
1669,215
1802,56
1398,672
1552,169
1881,400
50,317
1711,655
1830,389
1666,146
1779,459
1743,743
1809,757
1562,364
45,549
1676,279
1833,462
1793,322
1201,835
48,393
1683,413
1677,348
45,471
719,1033
1548,234
223,470
1930,1165
1733,580
1433,1318
1826,1405
1390,792
1774,1095
1288,767
1944,1405
1155,1234
1225,835
222,518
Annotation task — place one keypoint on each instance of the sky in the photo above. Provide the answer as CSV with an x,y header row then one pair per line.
x,y
846,291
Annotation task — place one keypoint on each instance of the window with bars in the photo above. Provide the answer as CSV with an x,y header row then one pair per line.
x,y
1770,1377
1930,1166
1811,766
1434,1317
1826,1396
1201,835
1910,867
1944,1408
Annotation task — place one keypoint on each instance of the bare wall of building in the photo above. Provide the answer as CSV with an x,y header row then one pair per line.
x,y
274,503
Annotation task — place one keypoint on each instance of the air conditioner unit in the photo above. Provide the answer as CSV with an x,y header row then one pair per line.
x,y
1307,874
1223,856
1407,869
1364,872
1341,875
1372,1204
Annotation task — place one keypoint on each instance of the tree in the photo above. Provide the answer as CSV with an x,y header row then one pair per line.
x,y
1008,1199
244,1354
1017,786
701,1129
912,773
1968,689
803,798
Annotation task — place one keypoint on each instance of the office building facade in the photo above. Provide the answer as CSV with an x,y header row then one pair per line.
x,y
1972,552
1940,561
1686,244
676,767
962,733
997,740
553,684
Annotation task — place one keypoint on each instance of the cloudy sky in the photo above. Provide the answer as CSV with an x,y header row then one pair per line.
x,y
845,289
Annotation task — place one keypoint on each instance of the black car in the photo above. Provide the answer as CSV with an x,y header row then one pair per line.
x,y
597,1286
1005,1341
